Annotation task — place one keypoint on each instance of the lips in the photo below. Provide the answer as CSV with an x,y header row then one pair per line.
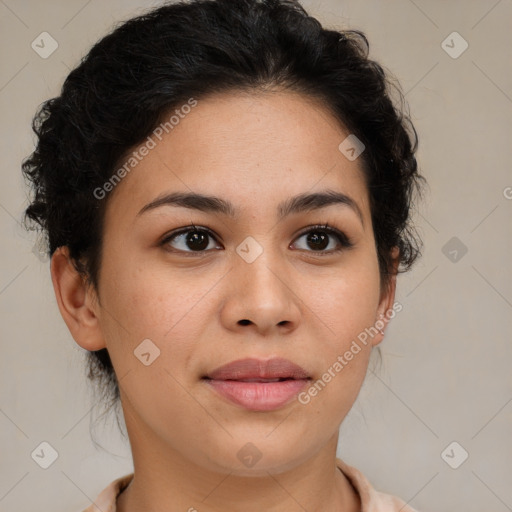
x,y
258,370
258,385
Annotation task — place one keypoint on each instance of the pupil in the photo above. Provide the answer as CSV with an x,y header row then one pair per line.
x,y
321,241
201,238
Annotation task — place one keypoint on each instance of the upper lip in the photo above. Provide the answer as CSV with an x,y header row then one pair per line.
x,y
275,368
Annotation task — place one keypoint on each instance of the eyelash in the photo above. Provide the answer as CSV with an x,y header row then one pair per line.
x,y
344,241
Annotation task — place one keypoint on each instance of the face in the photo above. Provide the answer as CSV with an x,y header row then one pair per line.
x,y
186,288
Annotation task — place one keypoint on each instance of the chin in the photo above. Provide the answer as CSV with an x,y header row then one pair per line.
x,y
253,458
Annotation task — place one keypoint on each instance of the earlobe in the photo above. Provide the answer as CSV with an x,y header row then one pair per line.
x,y
75,303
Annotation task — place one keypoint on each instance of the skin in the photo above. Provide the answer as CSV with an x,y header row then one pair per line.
x,y
256,151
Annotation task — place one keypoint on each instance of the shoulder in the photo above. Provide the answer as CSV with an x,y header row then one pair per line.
x,y
106,500
371,499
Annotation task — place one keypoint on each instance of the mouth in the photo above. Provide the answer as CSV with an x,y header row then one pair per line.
x,y
258,385
279,379
251,369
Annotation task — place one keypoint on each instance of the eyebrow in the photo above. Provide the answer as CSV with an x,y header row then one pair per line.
x,y
297,204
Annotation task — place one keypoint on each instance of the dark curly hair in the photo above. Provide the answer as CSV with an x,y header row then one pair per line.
x,y
147,66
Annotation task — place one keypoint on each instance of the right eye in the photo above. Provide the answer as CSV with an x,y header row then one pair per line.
x,y
191,239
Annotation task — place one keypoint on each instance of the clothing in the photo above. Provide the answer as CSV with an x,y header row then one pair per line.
x,y
371,500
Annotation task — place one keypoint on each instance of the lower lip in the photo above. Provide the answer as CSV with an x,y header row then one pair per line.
x,y
259,396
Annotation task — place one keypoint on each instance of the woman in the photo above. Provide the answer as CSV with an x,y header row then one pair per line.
x,y
226,190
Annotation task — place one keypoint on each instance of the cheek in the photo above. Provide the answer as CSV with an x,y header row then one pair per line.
x,y
346,302
344,309
344,353
155,314
146,302
143,303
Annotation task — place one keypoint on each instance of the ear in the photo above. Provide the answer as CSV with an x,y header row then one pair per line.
x,y
385,310
77,301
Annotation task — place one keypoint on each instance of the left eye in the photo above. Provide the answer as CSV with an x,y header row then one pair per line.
x,y
319,238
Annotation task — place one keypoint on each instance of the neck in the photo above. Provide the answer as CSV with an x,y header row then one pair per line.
x,y
163,478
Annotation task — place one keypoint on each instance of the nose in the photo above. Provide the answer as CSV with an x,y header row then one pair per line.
x,y
261,297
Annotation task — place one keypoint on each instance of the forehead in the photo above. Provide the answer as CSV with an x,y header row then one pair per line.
x,y
252,149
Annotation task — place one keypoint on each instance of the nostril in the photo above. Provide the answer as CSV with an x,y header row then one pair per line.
x,y
244,322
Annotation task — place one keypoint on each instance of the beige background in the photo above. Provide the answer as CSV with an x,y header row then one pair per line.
x,y
446,357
